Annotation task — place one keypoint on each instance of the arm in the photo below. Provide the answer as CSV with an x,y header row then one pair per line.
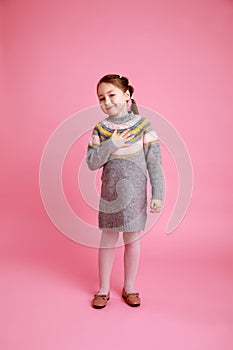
x,y
98,152
152,152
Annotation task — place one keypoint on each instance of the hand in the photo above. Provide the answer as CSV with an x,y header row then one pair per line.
x,y
121,139
155,206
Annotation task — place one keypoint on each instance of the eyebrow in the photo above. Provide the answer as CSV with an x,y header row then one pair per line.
x,y
107,92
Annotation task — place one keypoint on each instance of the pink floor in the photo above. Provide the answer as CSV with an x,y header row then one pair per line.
x,y
47,286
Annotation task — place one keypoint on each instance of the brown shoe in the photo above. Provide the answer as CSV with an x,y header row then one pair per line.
x,y
100,300
131,299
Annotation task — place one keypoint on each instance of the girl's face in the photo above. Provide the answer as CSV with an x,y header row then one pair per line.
x,y
113,101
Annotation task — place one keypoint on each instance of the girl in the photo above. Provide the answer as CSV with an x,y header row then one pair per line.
x,y
126,146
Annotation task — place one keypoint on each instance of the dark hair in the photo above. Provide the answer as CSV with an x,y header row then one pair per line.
x,y
122,83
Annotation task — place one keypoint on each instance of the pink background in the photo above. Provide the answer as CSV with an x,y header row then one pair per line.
x,y
178,56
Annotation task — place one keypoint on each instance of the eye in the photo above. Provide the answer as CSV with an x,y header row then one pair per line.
x,y
101,99
112,95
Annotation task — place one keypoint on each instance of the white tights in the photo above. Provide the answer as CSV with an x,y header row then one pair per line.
x,y
106,256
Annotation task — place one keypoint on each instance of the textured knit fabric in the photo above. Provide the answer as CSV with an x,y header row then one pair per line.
x,y
123,200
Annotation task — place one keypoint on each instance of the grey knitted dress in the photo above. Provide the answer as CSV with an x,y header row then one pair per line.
x,y
123,199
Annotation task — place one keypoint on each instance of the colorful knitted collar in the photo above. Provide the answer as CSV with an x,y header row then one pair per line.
x,y
125,118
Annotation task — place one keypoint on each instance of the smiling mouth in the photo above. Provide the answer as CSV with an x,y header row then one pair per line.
x,y
109,107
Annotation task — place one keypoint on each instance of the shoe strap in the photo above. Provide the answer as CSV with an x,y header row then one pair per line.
x,y
133,294
100,296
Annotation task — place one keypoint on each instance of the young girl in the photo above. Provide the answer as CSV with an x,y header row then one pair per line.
x,y
126,146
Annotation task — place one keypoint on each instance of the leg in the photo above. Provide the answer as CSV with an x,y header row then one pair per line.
x,y
106,256
131,259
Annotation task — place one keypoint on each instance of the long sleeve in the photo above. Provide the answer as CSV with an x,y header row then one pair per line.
x,y
152,152
98,152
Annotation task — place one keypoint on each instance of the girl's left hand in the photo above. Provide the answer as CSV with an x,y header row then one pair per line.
x,y
155,206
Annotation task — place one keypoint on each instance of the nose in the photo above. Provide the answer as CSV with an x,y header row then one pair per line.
x,y
107,100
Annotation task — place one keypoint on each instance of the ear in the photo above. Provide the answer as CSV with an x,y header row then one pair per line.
x,y
127,95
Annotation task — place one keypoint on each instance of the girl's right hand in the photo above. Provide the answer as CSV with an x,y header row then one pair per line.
x,y
120,139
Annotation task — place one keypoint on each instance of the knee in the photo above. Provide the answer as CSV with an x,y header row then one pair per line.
x,y
109,239
131,237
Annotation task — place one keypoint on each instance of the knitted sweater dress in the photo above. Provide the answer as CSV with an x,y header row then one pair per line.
x,y
123,198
